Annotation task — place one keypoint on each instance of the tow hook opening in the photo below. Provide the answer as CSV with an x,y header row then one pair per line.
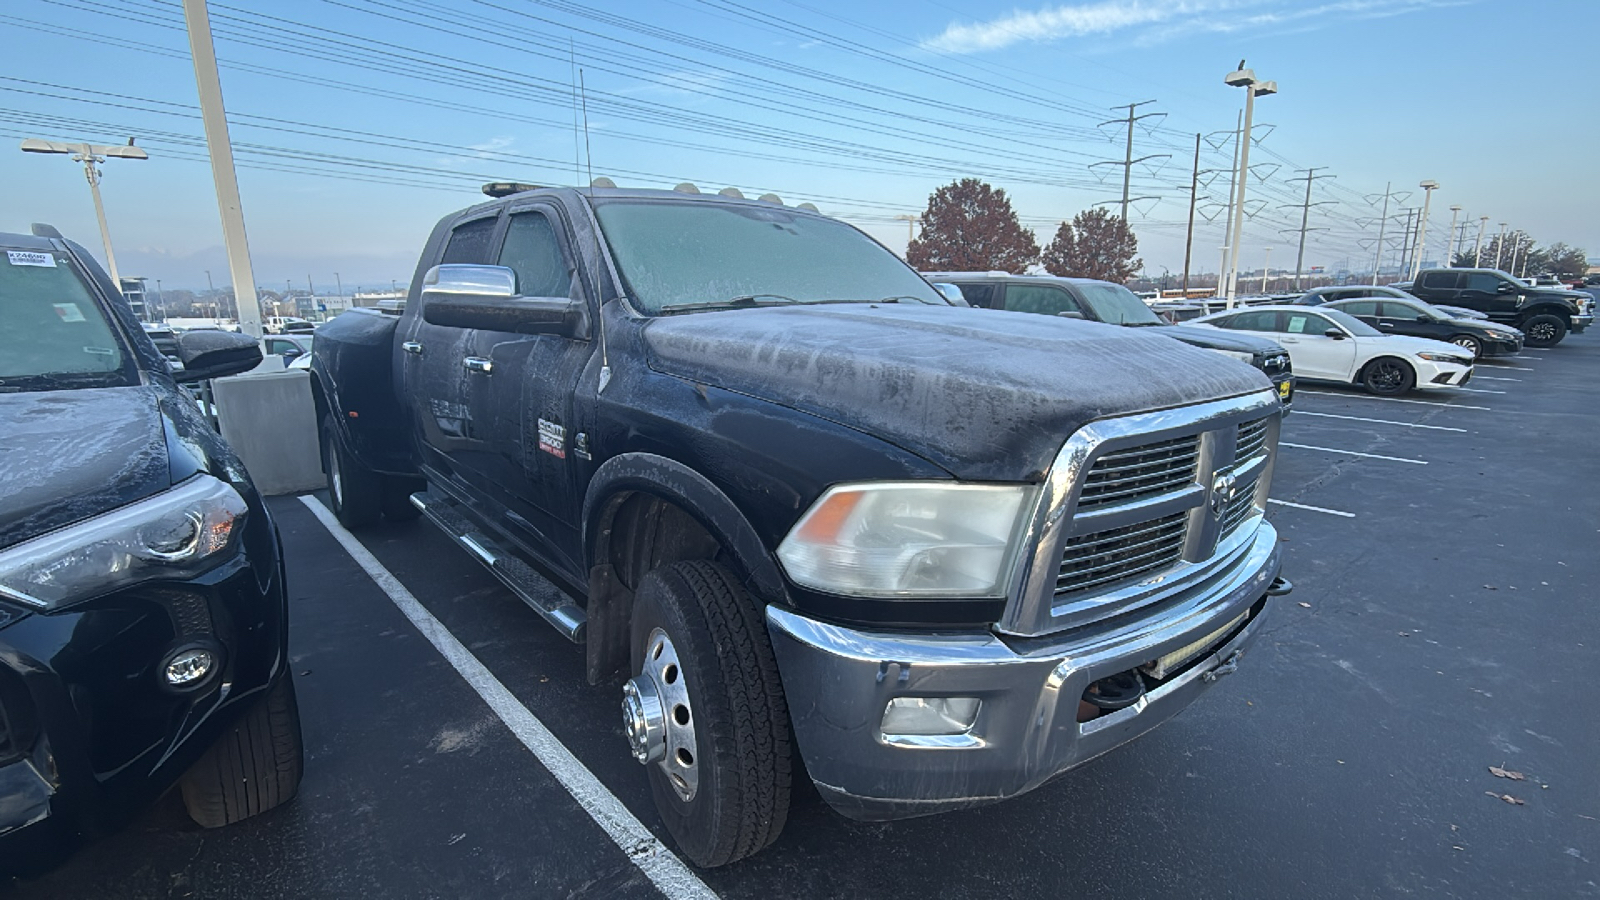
x,y
1279,587
1111,693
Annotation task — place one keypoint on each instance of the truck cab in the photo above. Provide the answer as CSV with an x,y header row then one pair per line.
x,y
792,499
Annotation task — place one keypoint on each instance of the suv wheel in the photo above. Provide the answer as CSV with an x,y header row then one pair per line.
x,y
705,713
254,766
1544,330
1468,342
1387,376
355,491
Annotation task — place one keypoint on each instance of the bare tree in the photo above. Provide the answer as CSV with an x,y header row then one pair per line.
x,y
971,227
1095,245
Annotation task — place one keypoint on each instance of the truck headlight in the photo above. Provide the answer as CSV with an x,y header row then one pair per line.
x,y
909,539
177,533
1240,355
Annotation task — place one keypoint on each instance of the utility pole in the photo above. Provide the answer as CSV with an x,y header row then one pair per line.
x,y
1405,244
1127,159
1450,241
1428,186
1477,252
91,155
1188,241
911,226
339,285
1383,223
197,19
1305,215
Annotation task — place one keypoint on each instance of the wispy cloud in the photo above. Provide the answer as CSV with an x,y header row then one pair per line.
x,y
1154,21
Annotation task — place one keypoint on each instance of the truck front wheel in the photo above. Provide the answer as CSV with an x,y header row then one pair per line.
x,y
355,491
1544,330
705,712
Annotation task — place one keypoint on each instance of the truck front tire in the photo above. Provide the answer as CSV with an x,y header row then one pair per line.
x,y
723,685
1544,330
355,491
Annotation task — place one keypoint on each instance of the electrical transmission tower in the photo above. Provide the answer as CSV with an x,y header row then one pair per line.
x,y
1310,178
1128,161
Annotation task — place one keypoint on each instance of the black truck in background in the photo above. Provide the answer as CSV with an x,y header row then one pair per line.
x,y
1544,315
795,501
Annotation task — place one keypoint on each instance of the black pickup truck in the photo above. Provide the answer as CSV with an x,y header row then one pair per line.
x,y
1544,315
797,500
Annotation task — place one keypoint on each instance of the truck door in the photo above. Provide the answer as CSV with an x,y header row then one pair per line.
x,y
434,360
526,403
1482,291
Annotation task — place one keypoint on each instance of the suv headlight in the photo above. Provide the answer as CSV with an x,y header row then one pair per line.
x,y
1240,355
177,533
909,539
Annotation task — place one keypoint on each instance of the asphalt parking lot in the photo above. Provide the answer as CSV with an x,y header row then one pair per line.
x,y
1443,548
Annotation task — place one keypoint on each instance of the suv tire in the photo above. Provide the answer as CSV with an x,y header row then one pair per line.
x,y
1388,376
254,766
1544,330
355,491
732,697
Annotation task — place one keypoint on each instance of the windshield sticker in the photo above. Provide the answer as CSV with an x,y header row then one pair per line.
x,y
30,258
69,312
553,439
100,351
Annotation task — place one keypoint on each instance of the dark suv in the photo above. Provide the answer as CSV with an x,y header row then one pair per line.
x,y
1113,304
143,620
1545,315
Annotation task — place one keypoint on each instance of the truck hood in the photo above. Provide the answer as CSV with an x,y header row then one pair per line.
x,y
69,455
1218,339
986,395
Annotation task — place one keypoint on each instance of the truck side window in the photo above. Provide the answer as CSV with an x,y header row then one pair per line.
x,y
1483,282
1440,281
980,295
469,243
1038,298
533,251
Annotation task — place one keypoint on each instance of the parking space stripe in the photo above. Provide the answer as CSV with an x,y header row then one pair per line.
x,y
1499,367
1399,459
664,869
1331,512
1401,400
1477,391
1477,377
1307,412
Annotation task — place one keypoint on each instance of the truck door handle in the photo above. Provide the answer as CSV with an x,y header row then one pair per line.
x,y
478,364
412,347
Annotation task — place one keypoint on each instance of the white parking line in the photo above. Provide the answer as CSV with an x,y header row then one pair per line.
x,y
1306,412
1498,367
1401,400
1477,391
1400,459
1536,358
1331,512
1477,377
664,869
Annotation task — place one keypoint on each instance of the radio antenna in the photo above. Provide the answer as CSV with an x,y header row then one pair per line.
x,y
577,149
600,319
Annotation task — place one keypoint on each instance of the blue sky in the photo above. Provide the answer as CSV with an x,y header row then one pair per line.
x,y
360,122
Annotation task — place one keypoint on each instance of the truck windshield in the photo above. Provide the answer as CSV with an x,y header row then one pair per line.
x,y
1116,305
695,254
53,333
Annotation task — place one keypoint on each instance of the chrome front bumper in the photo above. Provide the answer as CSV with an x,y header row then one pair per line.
x,y
839,681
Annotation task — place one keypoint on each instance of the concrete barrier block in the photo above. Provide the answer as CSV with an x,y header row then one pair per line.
x,y
269,420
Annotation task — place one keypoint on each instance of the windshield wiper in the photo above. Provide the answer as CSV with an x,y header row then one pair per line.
x,y
743,300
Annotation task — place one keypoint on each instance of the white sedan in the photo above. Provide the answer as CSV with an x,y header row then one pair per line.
x,y
1328,345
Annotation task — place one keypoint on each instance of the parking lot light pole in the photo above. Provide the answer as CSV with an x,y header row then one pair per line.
x,y
1246,79
1499,244
1477,251
1428,187
92,155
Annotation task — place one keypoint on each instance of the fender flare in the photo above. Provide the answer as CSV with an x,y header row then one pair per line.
x,y
678,484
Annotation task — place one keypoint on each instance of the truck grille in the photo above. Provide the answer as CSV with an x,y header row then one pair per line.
x,y
1252,438
1140,472
1237,510
1118,553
